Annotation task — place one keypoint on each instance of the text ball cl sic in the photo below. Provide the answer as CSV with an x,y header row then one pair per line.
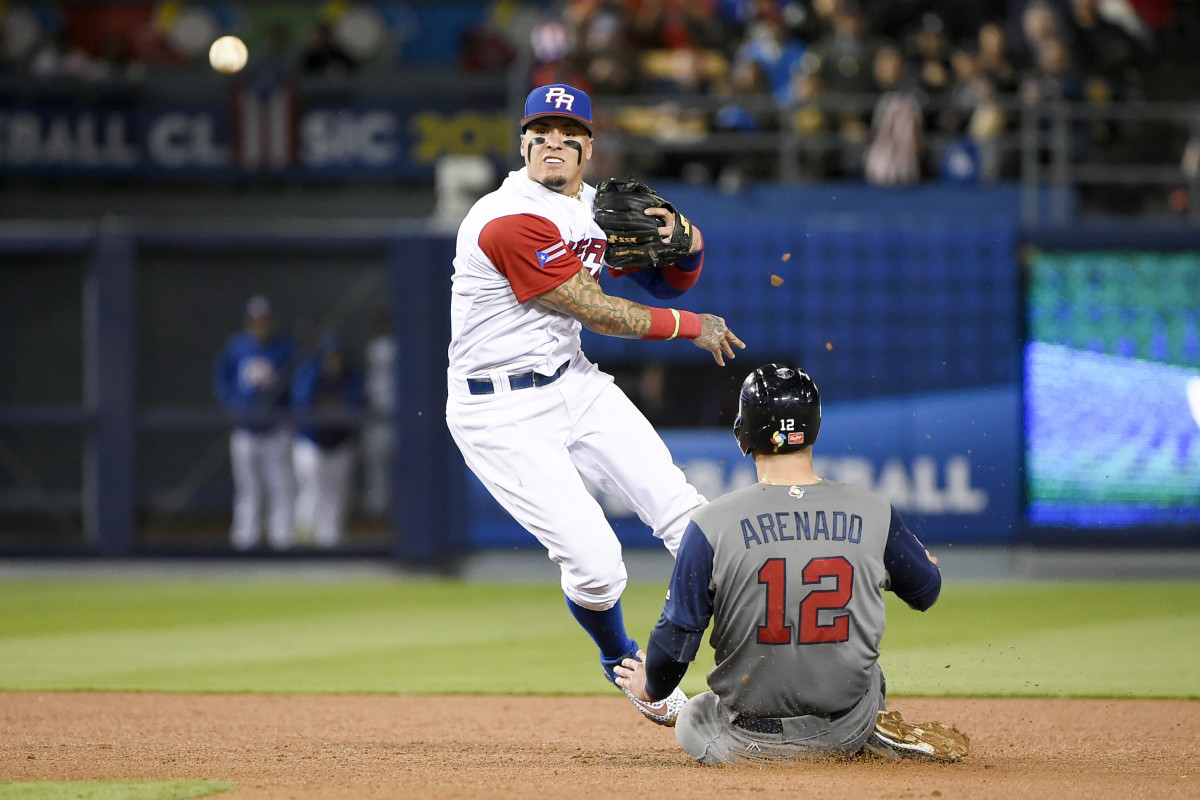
x,y
228,54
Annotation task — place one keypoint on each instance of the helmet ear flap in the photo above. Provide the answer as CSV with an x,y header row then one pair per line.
x,y
745,444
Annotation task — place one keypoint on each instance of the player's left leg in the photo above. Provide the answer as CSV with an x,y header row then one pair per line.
x,y
514,443
281,493
334,469
617,449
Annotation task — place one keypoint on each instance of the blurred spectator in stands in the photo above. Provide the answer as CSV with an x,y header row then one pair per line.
x,y
251,381
323,450
1040,25
600,28
843,61
845,55
809,118
970,122
994,59
986,127
747,81
889,71
324,57
484,48
930,53
556,57
749,108
968,89
822,24
806,21
379,433
767,44
893,153
973,115
673,24
1105,51
1054,77
681,71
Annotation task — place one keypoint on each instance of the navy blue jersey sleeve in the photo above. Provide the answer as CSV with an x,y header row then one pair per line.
x,y
671,281
689,600
914,578
663,672
654,282
680,630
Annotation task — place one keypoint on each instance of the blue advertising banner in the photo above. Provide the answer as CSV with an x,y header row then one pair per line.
x,y
949,462
274,130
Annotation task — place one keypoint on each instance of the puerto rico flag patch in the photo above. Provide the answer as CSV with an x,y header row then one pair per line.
x,y
550,253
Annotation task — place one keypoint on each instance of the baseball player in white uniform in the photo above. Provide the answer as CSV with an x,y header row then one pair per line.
x,y
533,417
250,381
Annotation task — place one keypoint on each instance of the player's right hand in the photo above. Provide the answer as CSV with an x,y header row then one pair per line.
x,y
716,338
631,675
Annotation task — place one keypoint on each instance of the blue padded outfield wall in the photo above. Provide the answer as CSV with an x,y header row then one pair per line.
x,y
898,300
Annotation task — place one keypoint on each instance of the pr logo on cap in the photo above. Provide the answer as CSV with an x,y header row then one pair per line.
x,y
558,100
559,96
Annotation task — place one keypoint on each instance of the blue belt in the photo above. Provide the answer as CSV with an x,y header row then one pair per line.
x,y
526,380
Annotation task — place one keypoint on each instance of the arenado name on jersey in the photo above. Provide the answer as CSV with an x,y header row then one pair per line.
x,y
790,526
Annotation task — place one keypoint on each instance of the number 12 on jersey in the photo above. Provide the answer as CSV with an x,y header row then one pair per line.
x,y
773,575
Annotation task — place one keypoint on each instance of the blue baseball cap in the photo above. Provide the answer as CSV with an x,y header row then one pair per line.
x,y
558,100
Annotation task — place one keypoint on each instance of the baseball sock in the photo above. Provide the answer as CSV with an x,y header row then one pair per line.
x,y
607,629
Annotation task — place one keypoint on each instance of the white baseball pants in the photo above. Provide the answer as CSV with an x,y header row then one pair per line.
x,y
262,470
533,448
323,480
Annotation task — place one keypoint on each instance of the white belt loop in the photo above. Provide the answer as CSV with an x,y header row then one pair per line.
x,y
499,379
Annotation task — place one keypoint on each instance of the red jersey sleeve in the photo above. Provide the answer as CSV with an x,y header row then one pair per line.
x,y
530,252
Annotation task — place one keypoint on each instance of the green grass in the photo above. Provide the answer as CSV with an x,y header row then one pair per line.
x,y
111,790
436,636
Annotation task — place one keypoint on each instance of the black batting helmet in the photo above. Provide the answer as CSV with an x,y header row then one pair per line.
x,y
779,410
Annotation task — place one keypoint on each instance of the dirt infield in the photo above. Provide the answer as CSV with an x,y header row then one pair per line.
x,y
280,747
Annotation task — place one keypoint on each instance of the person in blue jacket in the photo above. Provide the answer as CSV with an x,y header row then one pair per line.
x,y
250,379
329,391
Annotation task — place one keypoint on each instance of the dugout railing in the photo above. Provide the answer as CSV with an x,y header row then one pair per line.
x,y
93,447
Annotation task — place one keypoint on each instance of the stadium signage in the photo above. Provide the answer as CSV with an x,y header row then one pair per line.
x,y
253,135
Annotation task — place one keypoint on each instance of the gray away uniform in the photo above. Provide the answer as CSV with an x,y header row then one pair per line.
x,y
791,578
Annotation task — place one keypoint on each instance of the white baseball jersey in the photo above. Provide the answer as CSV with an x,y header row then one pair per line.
x,y
534,447
516,243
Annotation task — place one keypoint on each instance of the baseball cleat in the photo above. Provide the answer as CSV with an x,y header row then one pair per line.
x,y
924,740
660,712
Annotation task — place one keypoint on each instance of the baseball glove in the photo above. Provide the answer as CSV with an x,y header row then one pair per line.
x,y
633,238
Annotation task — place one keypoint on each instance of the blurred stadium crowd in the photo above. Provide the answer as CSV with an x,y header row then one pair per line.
x,y
879,75
892,91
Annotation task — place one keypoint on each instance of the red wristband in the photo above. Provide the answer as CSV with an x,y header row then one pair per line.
x,y
689,325
668,323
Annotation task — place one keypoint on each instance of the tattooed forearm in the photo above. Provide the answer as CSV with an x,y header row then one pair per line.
x,y
582,298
